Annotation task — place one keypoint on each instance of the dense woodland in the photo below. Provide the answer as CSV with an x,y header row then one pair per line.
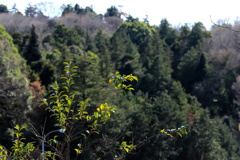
x,y
188,76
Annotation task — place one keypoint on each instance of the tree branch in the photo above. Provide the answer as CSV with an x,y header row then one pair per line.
x,y
224,24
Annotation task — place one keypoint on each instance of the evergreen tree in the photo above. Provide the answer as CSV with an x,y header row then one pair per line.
x,y
89,44
180,48
192,68
32,11
102,47
159,76
61,37
24,44
89,10
125,54
15,97
76,9
61,34
32,53
112,11
183,38
67,9
198,35
167,33
48,74
207,139
3,9
90,82
118,47
106,65
138,32
130,18
148,53
130,61
17,39
156,60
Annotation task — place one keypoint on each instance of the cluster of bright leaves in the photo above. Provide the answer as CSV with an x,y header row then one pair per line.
x,y
61,100
170,132
3,153
127,147
20,149
120,81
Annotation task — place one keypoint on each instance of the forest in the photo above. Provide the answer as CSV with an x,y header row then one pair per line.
x,y
140,91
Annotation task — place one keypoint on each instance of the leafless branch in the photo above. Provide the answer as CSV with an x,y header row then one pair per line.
x,y
225,24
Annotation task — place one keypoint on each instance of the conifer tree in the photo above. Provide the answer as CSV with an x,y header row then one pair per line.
x,y
207,140
89,44
198,35
156,60
102,50
167,33
192,68
125,54
17,39
15,97
112,11
32,53
180,47
3,9
159,76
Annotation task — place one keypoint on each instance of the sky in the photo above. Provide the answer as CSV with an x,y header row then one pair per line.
x,y
177,12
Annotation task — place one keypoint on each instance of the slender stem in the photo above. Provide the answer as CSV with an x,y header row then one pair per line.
x,y
44,139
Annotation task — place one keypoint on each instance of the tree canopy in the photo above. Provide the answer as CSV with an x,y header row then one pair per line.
x,y
84,67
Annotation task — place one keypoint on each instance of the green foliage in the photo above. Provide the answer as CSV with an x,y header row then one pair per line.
x,y
3,9
68,9
61,103
32,54
90,46
17,39
119,81
32,11
112,11
102,50
167,33
127,147
20,149
182,71
159,75
15,97
125,54
140,117
192,68
138,31
50,70
139,120
65,36
130,18
89,82
54,57
156,60
3,153
76,9
9,55
207,140
198,35
61,34
178,131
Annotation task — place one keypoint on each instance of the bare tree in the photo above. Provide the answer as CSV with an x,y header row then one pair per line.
x,y
224,23
49,9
